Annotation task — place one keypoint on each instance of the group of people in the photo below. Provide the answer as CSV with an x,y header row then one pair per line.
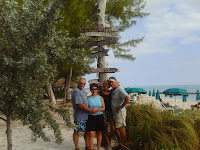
x,y
93,113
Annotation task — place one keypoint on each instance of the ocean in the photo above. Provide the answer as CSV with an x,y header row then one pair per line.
x,y
188,88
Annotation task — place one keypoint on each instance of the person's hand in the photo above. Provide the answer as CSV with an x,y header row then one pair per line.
x,y
118,109
94,110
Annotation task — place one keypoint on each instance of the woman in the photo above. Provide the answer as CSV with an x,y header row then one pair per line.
x,y
108,117
95,122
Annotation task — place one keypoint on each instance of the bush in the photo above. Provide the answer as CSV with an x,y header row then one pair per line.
x,y
150,129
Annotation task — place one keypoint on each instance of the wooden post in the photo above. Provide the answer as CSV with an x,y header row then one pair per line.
x,y
102,63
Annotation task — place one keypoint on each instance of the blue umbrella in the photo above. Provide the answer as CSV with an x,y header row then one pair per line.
x,y
153,93
198,97
149,92
157,95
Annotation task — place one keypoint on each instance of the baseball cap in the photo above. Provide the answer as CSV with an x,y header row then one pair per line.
x,y
112,79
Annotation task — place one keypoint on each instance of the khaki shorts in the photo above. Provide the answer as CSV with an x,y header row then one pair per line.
x,y
120,119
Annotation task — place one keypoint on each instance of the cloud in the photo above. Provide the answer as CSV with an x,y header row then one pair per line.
x,y
169,22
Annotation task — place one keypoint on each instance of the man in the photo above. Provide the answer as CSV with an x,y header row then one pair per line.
x,y
119,100
80,107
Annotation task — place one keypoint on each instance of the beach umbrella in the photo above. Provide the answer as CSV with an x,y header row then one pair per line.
x,y
153,93
149,92
198,96
184,98
175,92
157,95
135,90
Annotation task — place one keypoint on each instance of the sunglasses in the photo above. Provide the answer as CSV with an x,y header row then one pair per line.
x,y
94,89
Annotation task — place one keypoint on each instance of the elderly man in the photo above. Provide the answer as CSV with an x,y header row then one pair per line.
x,y
80,107
119,100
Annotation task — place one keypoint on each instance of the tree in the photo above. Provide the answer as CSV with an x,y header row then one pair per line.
x,y
30,45
119,13
76,63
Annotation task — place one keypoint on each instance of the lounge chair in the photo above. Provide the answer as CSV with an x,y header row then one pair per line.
x,y
164,108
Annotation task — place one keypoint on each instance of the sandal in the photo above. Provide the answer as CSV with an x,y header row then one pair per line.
x,y
87,148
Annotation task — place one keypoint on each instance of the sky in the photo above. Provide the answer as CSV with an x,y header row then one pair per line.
x,y
170,51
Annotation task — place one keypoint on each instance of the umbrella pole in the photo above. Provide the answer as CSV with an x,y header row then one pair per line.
x,y
175,100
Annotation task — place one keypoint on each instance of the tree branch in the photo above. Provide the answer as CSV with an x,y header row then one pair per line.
x,y
3,119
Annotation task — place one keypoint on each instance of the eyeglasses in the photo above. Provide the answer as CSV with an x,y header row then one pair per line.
x,y
82,83
94,89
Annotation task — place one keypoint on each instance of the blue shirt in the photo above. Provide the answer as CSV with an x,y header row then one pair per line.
x,y
78,97
95,102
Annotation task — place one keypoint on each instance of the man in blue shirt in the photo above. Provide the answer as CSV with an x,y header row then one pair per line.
x,y
80,107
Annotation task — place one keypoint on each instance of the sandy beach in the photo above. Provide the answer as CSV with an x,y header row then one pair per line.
x,y
21,135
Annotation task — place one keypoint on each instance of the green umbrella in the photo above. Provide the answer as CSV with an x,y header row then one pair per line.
x,y
184,98
170,96
157,95
135,90
153,93
198,96
149,92
175,92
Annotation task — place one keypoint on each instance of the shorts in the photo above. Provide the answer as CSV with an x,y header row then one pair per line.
x,y
80,126
95,123
108,116
120,119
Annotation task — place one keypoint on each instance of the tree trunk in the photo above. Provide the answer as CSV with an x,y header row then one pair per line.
x,y
67,85
8,132
52,98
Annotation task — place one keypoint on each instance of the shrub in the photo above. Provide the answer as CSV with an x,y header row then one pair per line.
x,y
150,129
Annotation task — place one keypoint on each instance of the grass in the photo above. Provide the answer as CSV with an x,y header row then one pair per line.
x,y
150,129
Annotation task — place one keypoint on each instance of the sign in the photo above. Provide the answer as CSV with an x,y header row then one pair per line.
x,y
97,39
107,34
98,54
100,49
106,29
93,81
104,70
100,43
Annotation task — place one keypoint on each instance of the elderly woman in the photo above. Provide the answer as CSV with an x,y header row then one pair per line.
x,y
95,122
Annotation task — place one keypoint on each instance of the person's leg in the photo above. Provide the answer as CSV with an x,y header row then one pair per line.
x,y
112,129
91,139
99,139
86,137
122,134
75,139
106,133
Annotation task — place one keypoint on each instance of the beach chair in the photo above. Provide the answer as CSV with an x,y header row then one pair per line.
x,y
164,108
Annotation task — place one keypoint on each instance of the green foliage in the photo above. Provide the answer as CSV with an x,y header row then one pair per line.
x,y
30,46
119,13
150,129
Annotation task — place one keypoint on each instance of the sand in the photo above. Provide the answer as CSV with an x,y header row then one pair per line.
x,y
21,135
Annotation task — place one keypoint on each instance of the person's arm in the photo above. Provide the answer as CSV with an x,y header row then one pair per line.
x,y
92,110
103,105
126,101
